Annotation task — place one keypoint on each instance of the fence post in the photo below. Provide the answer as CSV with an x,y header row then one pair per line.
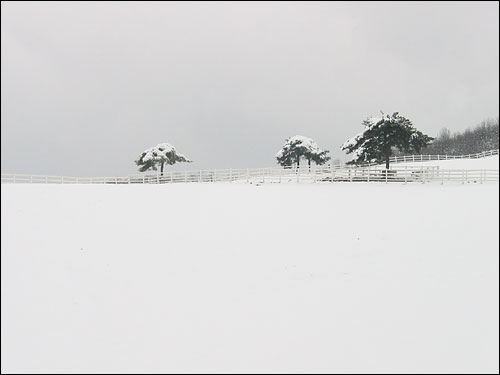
x,y
368,173
280,173
463,176
406,174
230,175
248,174
413,156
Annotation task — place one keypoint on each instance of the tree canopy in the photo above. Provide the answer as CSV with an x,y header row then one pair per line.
x,y
161,154
298,147
381,136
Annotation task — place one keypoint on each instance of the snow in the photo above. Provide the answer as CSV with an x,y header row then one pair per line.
x,y
222,278
161,151
351,141
374,120
305,141
302,141
158,151
369,123
488,162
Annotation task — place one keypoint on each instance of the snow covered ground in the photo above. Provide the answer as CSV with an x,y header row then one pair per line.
x,y
244,278
489,162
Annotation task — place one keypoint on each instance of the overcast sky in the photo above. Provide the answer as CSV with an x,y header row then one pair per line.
x,y
86,87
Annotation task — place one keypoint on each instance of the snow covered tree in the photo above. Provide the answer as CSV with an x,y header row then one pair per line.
x,y
318,157
483,137
297,147
381,136
162,154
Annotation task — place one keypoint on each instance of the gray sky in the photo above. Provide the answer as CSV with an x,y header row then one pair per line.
x,y
86,87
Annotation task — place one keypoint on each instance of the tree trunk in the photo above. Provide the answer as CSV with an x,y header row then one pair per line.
x,y
387,162
161,170
309,163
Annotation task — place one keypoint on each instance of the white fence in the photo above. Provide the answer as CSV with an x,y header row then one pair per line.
x,y
415,158
338,173
317,174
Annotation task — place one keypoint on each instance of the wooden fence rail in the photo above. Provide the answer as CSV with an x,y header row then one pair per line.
x,y
329,173
417,158
397,173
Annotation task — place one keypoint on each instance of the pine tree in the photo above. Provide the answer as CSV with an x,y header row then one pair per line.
x,y
381,136
162,154
298,147
319,157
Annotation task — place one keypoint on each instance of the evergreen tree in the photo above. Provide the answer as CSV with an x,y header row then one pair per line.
x,y
319,157
382,136
162,154
298,147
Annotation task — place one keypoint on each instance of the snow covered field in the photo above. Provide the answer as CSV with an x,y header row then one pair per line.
x,y
245,278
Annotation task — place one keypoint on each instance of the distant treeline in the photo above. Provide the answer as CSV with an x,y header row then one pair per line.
x,y
483,137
